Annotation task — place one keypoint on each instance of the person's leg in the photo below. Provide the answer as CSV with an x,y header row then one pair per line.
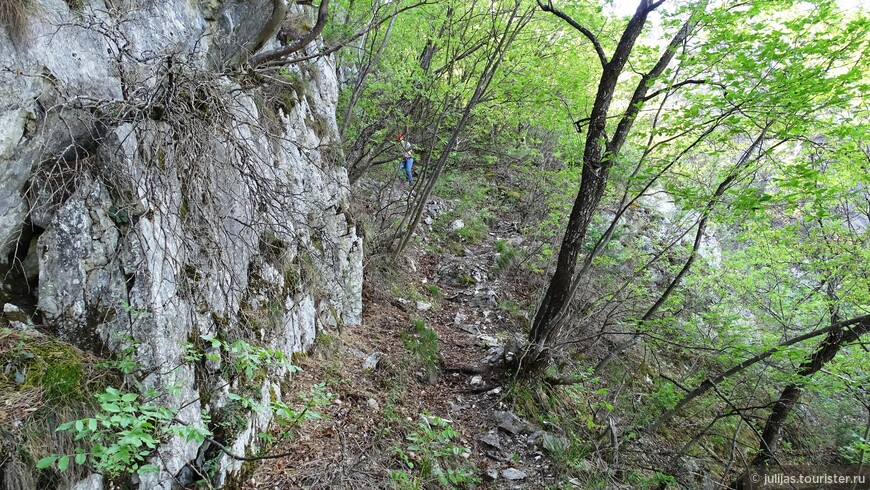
x,y
408,163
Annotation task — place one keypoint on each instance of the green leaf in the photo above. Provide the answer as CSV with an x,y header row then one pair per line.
x,y
80,426
81,458
46,461
63,463
92,425
129,397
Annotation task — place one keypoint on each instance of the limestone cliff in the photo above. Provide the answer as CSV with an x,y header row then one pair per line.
x,y
151,194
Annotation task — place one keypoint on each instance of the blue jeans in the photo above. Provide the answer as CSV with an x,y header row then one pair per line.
x,y
406,165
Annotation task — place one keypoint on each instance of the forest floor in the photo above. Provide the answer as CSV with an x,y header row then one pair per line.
x,y
433,410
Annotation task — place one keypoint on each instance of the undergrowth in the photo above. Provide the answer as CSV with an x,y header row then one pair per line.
x,y
43,382
430,456
423,344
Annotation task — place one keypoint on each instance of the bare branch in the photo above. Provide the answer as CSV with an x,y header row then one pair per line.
x,y
674,87
654,6
850,329
548,7
640,93
299,45
328,51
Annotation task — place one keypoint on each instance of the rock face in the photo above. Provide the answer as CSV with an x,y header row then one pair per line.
x,y
164,201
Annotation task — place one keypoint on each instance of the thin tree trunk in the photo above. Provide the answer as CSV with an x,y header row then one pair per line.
x,y
511,29
742,162
598,157
362,75
849,330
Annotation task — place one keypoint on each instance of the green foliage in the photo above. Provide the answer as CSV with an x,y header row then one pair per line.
x,y
466,279
289,419
242,358
63,373
423,344
647,481
475,230
120,436
431,456
855,449
62,380
125,429
507,255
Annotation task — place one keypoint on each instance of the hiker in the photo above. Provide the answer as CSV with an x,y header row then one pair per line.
x,y
407,158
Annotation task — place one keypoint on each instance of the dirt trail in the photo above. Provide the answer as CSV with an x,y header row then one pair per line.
x,y
365,428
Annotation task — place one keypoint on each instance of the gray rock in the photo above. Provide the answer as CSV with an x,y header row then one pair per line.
x,y
373,404
491,439
495,354
486,298
93,482
496,455
423,306
457,225
455,407
13,313
490,475
150,246
513,474
372,361
476,380
509,422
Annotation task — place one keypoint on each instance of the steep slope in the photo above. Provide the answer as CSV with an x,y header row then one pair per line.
x,y
150,199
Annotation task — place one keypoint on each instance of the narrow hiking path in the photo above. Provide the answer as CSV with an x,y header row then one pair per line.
x,y
430,346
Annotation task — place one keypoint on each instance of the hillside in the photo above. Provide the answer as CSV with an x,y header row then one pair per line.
x,y
441,244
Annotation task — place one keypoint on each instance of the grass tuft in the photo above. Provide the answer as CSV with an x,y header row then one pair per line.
x,y
13,15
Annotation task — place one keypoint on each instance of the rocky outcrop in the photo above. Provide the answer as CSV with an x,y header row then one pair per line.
x,y
165,201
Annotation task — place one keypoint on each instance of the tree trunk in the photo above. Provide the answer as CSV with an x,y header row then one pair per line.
x,y
792,393
362,74
599,155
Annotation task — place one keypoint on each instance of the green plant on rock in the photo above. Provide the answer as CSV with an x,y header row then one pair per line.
x,y
466,279
241,357
289,418
431,456
120,436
